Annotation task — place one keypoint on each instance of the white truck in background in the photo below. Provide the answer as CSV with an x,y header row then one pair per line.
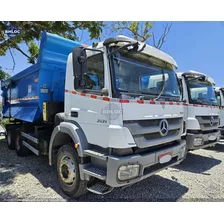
x,y
121,119
201,111
219,92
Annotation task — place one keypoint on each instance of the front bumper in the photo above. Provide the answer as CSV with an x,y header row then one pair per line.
x,y
149,164
209,139
222,131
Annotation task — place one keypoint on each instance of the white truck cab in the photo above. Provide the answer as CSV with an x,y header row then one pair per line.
x,y
201,111
124,98
219,92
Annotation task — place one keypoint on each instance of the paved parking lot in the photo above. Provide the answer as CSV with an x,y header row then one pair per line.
x,y
199,178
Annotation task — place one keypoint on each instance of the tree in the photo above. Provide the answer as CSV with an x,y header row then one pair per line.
x,y
3,75
141,31
30,32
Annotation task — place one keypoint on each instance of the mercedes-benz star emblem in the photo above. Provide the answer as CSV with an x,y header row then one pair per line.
x,y
212,120
164,127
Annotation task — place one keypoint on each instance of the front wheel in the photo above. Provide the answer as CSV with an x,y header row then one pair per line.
x,y
68,173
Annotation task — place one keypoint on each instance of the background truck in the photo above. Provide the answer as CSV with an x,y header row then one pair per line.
x,y
200,110
107,116
220,99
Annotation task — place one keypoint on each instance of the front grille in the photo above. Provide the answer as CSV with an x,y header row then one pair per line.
x,y
146,133
205,122
158,135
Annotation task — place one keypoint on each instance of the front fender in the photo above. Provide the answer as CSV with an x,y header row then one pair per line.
x,y
75,133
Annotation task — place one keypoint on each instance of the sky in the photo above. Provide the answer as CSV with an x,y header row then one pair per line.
x,y
195,46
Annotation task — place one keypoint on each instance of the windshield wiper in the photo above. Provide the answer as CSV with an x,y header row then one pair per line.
x,y
144,96
200,101
213,104
163,88
176,99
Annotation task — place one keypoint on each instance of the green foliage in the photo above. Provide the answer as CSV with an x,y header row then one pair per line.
x,y
33,49
31,30
138,30
4,122
141,31
3,75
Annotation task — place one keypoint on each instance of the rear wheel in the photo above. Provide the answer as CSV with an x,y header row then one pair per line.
x,y
68,173
21,150
11,136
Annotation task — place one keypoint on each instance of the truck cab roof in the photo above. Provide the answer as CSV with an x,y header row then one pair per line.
x,y
192,73
149,50
217,89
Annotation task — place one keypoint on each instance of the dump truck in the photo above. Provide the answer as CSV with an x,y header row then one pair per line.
x,y
219,91
108,115
201,111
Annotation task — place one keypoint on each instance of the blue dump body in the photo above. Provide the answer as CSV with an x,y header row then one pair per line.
x,y
31,87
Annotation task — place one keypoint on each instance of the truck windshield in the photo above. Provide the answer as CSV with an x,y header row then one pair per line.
x,y
135,75
201,92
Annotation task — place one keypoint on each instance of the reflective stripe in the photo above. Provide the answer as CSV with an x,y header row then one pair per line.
x,y
124,101
93,96
140,101
106,99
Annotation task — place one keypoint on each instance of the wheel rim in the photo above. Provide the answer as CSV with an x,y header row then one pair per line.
x,y
17,143
9,138
67,170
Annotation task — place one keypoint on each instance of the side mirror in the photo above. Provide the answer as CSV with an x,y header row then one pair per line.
x,y
184,101
79,60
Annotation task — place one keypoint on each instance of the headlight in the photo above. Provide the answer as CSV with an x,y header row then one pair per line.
x,y
198,141
128,172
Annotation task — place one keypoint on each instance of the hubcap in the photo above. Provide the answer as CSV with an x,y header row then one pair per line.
x,y
67,170
9,138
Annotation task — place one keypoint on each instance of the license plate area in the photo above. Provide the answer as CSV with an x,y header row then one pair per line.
x,y
158,166
165,157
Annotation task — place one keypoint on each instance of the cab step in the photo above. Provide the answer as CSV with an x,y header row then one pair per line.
x,y
95,172
100,188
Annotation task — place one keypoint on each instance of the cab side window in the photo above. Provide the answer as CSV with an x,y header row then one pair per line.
x,y
95,73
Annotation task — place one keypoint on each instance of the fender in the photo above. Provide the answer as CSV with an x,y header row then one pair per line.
x,y
76,134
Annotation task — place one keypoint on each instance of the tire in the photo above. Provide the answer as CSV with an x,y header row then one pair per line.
x,y
11,136
21,150
69,182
